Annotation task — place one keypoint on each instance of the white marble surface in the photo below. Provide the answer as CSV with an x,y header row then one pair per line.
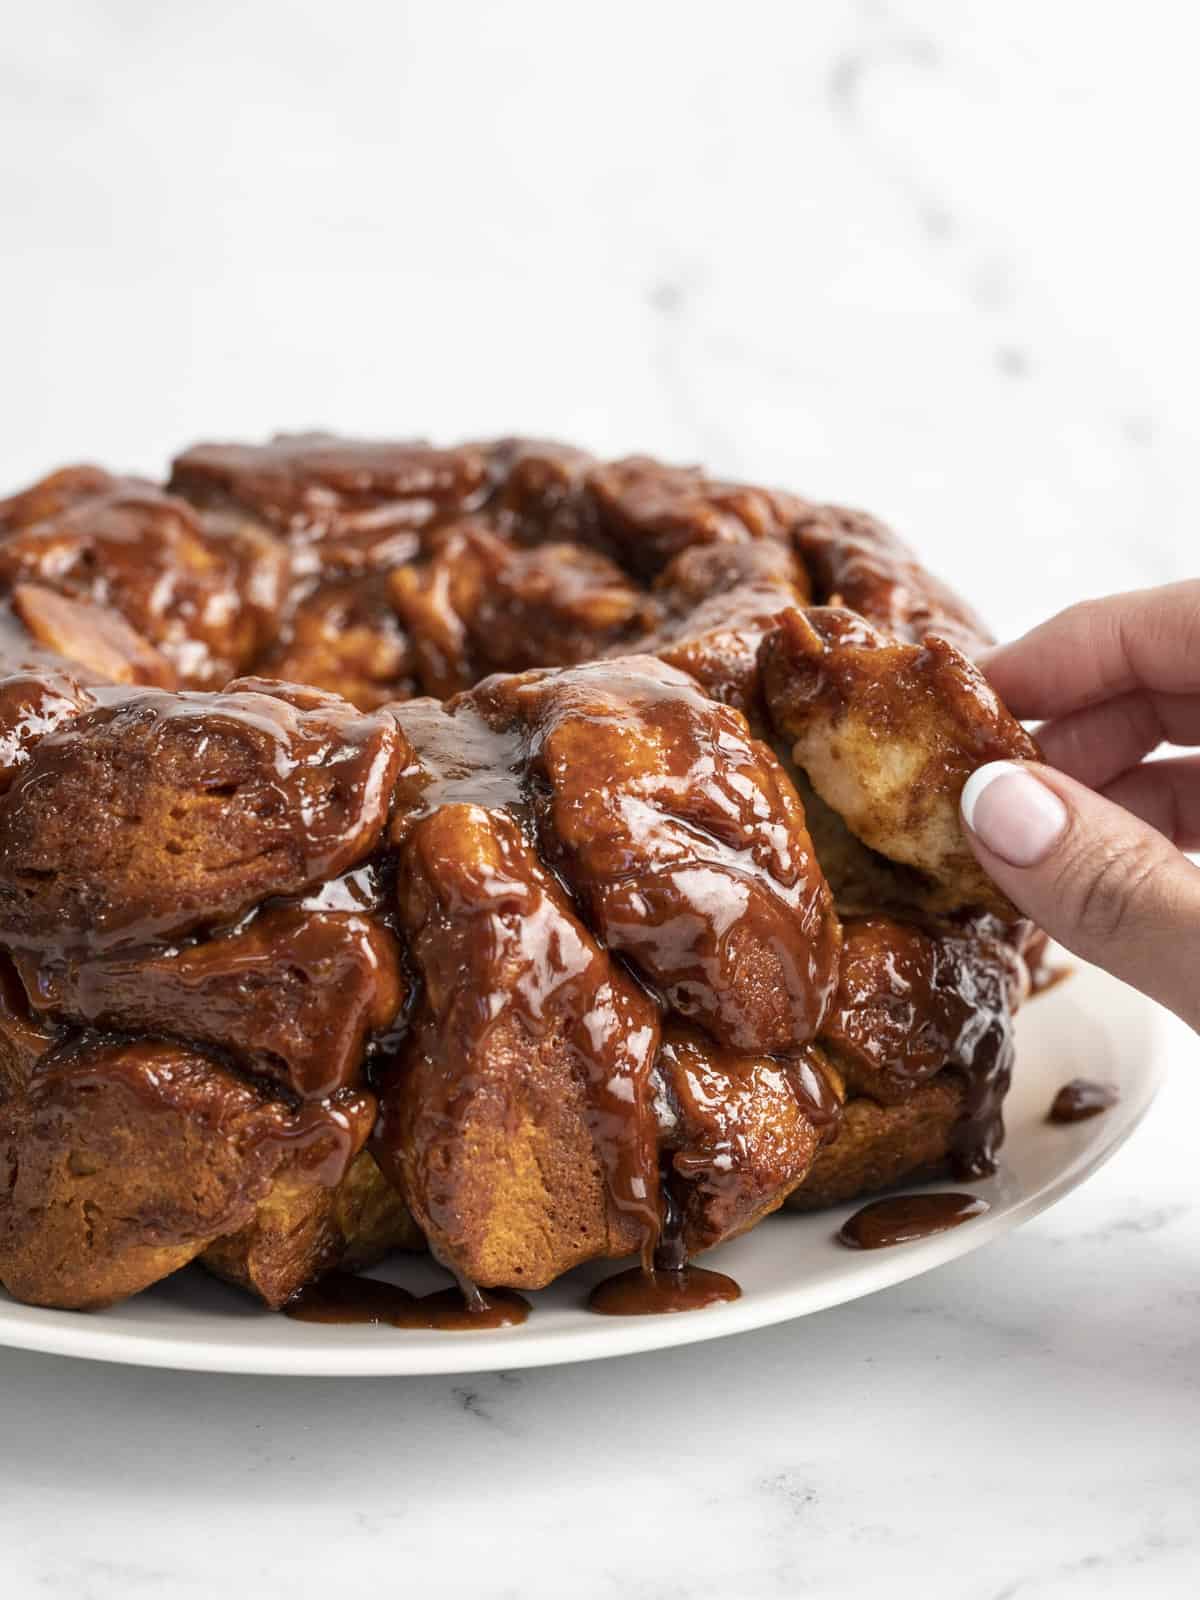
x,y
935,258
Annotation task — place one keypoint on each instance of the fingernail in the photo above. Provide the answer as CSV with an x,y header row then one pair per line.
x,y
1012,813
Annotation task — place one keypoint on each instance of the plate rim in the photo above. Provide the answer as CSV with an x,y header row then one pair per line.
x,y
79,1336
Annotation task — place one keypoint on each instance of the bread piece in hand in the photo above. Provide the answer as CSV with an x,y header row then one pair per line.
x,y
888,733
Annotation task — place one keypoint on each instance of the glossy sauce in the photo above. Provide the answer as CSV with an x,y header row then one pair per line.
x,y
628,819
910,1004
1080,1099
670,1284
902,1218
640,1294
342,1297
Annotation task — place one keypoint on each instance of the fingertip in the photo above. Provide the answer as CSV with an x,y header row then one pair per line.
x,y
1013,814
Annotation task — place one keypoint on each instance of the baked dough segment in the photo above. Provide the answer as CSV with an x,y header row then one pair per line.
x,y
518,1121
303,1229
120,1161
478,603
294,995
683,842
343,635
735,1135
159,814
887,733
648,513
914,1003
880,1146
37,695
857,562
344,505
914,1000
202,598
718,602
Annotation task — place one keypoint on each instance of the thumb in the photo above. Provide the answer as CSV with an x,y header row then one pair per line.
x,y
1094,876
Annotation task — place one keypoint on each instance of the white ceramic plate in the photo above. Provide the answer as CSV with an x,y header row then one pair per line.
x,y
1090,1027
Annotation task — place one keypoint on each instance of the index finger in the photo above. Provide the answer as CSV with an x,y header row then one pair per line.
x,y
1149,639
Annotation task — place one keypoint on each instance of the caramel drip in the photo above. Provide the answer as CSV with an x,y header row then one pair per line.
x,y
1080,1099
343,1297
904,1218
669,1284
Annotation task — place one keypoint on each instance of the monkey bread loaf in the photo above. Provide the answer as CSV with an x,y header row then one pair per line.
x,y
536,858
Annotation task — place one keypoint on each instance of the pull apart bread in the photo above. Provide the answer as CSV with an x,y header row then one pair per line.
x,y
490,848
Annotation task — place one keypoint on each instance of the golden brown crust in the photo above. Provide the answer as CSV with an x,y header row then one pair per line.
x,y
120,1162
736,1135
293,995
343,635
200,600
506,1120
301,1230
879,1146
888,733
683,841
479,603
159,814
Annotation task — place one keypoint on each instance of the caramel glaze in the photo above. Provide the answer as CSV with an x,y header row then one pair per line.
x,y
1080,1099
670,1284
508,971
158,814
318,1139
344,1297
902,1218
293,993
541,870
912,1001
682,840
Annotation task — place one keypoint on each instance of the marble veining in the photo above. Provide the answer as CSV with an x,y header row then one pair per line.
x,y
932,257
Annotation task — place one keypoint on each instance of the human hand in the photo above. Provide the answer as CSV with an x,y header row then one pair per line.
x,y
1090,844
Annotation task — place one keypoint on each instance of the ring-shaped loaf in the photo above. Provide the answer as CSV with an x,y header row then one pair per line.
x,y
487,845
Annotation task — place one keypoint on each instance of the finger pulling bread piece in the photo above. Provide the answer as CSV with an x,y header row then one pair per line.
x,y
887,734
683,841
121,1161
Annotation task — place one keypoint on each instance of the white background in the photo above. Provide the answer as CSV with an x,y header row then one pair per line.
x,y
937,259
